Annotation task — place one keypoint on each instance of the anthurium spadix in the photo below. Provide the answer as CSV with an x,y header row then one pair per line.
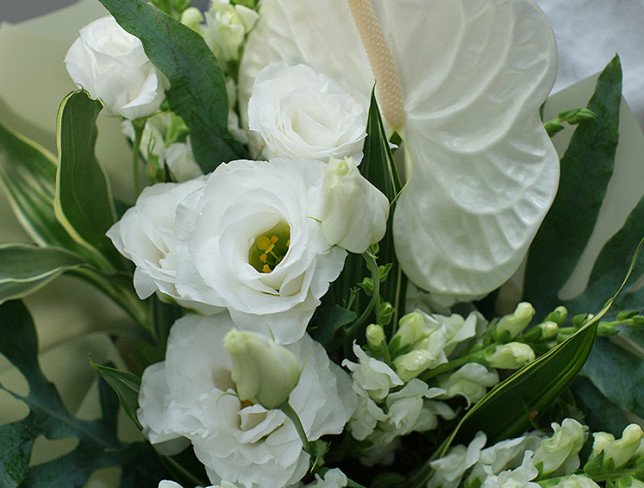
x,y
461,81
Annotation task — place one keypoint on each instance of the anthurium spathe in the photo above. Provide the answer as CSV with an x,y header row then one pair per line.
x,y
461,81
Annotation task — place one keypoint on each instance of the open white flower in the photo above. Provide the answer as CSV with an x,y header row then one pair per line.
x,y
301,114
462,83
111,65
249,242
240,442
145,235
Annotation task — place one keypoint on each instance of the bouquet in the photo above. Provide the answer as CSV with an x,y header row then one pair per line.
x,y
343,264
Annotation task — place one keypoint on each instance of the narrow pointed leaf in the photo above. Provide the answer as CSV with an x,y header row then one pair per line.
x,y
198,88
83,201
125,385
586,169
26,269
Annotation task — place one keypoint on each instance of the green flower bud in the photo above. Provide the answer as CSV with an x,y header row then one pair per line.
x,y
511,356
510,326
263,371
558,315
192,18
413,363
617,452
411,329
375,335
385,313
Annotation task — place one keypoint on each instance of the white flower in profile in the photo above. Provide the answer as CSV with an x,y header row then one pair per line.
x,y
577,481
300,114
470,381
559,454
145,235
521,477
371,375
333,478
111,65
450,469
462,83
249,242
192,395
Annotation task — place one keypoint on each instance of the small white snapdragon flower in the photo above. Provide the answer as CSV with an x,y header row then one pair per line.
x,y
372,375
521,477
193,395
226,27
576,481
470,381
333,478
620,451
559,454
353,212
513,355
449,470
510,326
111,65
248,242
301,114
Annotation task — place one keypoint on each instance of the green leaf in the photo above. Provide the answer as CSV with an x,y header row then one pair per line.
x,y
327,321
618,374
98,445
126,385
198,87
26,268
586,169
83,202
28,175
601,414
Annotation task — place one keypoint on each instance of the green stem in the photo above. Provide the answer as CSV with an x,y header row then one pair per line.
x,y
139,126
602,477
294,417
375,296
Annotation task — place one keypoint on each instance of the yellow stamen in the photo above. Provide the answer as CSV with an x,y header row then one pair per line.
x,y
266,269
274,239
263,242
262,258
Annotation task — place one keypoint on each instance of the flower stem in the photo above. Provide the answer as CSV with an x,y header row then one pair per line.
x,y
139,126
294,417
375,295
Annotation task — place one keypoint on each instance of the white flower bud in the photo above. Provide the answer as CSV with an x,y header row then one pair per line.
x,y
620,451
511,356
510,326
375,335
411,329
559,454
192,17
353,212
263,371
413,363
226,27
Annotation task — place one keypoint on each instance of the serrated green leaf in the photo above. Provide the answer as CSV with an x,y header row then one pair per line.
x,y
28,175
586,169
98,445
198,88
126,385
26,268
83,201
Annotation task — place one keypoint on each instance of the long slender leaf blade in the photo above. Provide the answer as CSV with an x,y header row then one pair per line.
x,y
83,201
125,385
28,175
197,85
586,169
26,268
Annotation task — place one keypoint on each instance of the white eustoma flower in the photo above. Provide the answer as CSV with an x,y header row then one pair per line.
x,y
462,82
470,381
243,443
145,235
301,114
111,65
249,242
371,375
353,212
559,454
226,27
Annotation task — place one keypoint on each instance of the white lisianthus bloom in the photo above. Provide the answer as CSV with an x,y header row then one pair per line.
x,y
481,170
559,455
237,441
301,114
353,212
111,65
145,235
226,27
470,381
249,242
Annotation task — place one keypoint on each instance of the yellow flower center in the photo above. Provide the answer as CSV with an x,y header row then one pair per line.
x,y
270,247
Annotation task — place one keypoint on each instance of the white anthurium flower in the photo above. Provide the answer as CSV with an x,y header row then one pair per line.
x,y
249,242
111,65
241,442
300,114
353,212
462,83
145,235
449,470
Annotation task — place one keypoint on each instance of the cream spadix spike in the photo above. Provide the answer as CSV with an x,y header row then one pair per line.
x,y
382,64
